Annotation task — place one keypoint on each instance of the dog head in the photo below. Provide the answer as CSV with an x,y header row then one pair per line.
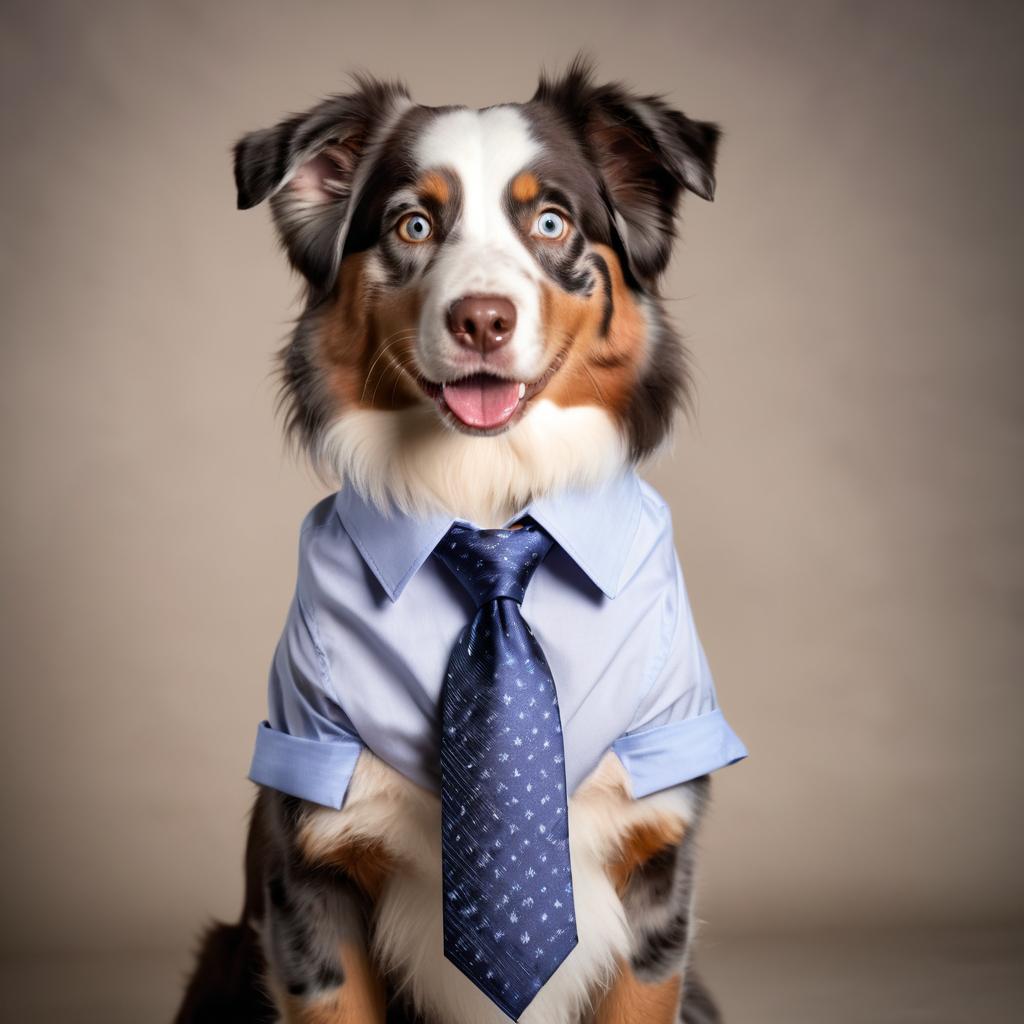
x,y
482,320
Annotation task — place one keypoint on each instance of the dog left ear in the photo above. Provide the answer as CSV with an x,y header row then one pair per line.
x,y
647,154
306,166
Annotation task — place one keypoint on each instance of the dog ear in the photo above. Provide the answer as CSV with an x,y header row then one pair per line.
x,y
646,153
306,166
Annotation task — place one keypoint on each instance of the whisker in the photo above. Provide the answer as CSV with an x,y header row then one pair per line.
x,y
402,370
393,339
394,364
566,341
593,380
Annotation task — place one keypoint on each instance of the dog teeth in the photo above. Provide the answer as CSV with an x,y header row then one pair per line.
x,y
522,389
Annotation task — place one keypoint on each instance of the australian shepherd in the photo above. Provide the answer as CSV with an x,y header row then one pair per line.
x,y
482,326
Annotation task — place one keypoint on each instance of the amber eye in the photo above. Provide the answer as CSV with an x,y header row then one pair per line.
x,y
415,227
550,224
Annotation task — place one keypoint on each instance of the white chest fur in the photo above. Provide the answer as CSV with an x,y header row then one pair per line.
x,y
385,811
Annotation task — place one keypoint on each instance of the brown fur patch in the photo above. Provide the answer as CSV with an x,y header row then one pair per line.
x,y
525,187
642,842
630,1001
366,342
359,1000
368,862
434,186
599,370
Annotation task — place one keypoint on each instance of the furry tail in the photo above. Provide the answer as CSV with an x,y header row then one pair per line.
x,y
226,986
698,1006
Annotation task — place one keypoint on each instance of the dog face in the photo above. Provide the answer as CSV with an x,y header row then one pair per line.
x,y
482,274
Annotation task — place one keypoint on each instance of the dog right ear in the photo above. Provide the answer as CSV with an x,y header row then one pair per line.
x,y
306,166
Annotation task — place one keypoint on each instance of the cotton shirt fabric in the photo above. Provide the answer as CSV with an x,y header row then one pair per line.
x,y
374,618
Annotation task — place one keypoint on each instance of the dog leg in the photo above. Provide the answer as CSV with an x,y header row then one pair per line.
x,y
357,999
631,1001
316,932
654,877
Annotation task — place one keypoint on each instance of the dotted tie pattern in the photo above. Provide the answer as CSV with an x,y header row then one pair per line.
x,y
509,919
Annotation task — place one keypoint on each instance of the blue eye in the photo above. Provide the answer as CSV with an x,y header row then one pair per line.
x,y
415,228
550,225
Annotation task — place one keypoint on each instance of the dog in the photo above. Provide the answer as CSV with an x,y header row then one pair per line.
x,y
482,330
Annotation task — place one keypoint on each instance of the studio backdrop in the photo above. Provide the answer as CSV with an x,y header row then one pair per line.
x,y
846,494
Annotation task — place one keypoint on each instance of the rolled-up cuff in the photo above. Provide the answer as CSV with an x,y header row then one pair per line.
x,y
314,770
668,755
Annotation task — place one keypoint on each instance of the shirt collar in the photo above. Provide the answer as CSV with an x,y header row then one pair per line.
x,y
594,527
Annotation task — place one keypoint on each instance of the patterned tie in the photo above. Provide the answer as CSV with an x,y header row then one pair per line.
x,y
508,906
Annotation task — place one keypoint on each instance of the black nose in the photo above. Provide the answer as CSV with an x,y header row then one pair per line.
x,y
483,322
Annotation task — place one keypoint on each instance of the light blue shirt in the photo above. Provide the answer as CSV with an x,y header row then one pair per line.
x,y
374,619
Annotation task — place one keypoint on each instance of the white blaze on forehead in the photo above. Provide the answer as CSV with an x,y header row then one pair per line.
x,y
486,149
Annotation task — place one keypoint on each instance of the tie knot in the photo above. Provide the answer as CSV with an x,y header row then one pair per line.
x,y
494,563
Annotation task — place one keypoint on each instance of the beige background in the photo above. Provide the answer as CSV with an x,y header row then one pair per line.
x,y
847,500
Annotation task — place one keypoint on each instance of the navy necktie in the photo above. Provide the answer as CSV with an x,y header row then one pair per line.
x,y
509,919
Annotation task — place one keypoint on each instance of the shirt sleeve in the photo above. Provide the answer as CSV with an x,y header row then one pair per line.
x,y
307,747
679,732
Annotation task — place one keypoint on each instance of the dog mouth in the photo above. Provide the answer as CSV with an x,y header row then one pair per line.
x,y
485,403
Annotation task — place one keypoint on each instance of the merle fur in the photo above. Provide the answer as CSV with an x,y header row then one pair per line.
x,y
341,127
646,155
664,940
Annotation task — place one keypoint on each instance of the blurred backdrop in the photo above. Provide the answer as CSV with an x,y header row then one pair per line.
x,y
847,498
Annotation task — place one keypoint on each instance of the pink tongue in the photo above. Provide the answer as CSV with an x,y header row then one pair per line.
x,y
482,402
